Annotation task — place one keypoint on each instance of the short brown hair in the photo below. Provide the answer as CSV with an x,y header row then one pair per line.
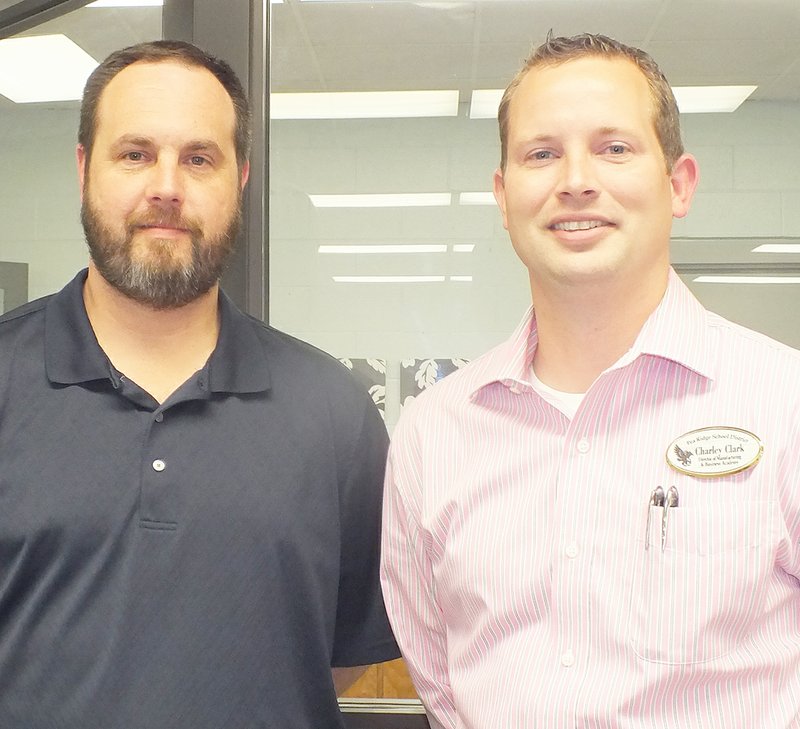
x,y
555,51
159,52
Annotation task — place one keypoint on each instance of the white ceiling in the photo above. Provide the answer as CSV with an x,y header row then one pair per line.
x,y
474,44
404,44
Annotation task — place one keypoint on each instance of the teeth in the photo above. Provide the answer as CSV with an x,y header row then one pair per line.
x,y
578,225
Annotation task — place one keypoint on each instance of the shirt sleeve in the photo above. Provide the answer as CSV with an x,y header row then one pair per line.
x,y
408,583
362,633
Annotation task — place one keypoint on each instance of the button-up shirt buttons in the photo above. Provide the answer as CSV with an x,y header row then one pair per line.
x,y
159,465
159,417
516,389
583,446
568,659
572,550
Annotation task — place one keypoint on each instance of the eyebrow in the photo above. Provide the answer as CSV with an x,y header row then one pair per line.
x,y
203,145
134,140
196,145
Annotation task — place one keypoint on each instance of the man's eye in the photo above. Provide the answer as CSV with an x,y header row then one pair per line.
x,y
541,154
617,149
134,156
198,161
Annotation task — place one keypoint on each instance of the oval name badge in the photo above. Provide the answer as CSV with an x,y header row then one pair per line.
x,y
715,451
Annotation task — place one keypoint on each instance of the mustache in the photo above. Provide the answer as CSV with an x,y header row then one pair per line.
x,y
155,217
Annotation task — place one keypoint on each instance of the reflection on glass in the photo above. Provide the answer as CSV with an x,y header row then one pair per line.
x,y
462,289
39,198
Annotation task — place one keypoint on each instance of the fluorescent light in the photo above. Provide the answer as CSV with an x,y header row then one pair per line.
x,y
363,104
384,248
777,248
383,200
463,248
476,198
388,279
461,278
691,100
43,68
127,4
710,99
749,279
484,103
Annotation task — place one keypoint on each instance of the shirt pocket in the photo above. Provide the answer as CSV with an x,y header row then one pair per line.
x,y
697,599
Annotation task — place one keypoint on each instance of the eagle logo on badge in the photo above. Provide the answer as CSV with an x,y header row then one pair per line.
x,y
685,457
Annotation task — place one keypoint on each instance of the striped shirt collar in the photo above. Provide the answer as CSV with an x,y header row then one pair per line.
x,y
676,331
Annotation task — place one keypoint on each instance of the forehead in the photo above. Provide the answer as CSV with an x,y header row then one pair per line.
x,y
166,99
583,90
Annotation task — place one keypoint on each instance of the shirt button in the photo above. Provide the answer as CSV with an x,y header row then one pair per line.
x,y
159,417
567,659
159,465
515,389
583,446
572,550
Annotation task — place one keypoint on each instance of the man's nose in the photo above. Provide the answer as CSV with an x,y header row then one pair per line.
x,y
578,179
165,184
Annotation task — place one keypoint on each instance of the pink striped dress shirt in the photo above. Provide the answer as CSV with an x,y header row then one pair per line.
x,y
514,564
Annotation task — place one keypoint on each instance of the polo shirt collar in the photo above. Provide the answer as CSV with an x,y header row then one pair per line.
x,y
71,351
72,354
240,361
676,330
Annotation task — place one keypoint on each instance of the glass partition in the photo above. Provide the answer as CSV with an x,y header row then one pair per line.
x,y
41,239
385,243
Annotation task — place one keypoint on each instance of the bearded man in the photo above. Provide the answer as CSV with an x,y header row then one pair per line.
x,y
189,499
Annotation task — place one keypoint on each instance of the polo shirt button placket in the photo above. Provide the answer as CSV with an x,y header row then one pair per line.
x,y
159,465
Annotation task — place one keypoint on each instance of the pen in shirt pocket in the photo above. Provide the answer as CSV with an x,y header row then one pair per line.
x,y
656,499
670,502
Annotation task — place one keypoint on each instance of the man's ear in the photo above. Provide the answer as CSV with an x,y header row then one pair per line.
x,y
80,155
500,194
684,178
245,174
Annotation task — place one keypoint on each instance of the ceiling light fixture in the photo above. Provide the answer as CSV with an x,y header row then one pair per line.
x,y
126,4
691,100
388,279
748,279
384,248
476,198
383,200
484,102
363,104
710,99
777,248
43,68
463,248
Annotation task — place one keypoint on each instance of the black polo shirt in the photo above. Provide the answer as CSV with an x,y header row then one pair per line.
x,y
199,564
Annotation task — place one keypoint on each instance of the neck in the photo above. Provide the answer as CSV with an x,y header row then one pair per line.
x,y
157,349
584,330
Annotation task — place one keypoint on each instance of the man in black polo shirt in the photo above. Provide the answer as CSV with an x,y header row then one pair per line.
x,y
189,499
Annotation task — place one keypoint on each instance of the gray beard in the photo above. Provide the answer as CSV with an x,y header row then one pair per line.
x,y
165,286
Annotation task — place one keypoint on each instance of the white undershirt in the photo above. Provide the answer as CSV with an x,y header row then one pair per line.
x,y
566,402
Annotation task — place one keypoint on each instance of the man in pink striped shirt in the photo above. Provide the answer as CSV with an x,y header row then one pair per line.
x,y
597,523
